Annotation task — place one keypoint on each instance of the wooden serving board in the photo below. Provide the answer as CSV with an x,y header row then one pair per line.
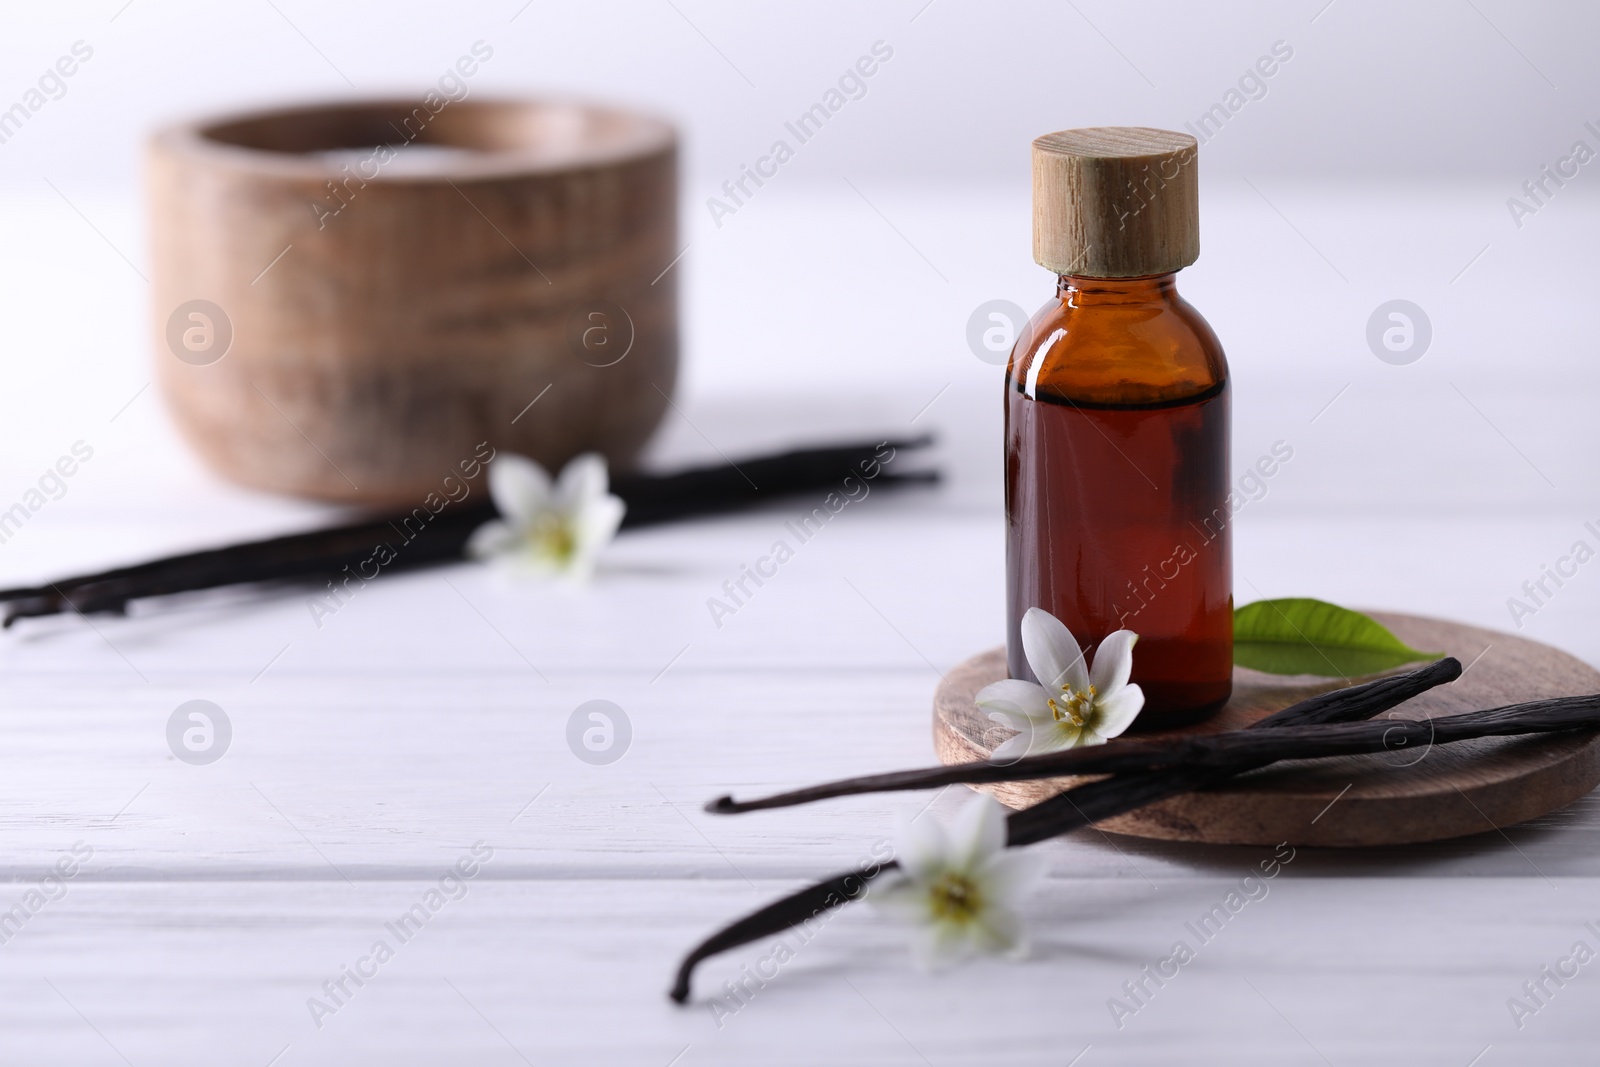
x,y
1398,797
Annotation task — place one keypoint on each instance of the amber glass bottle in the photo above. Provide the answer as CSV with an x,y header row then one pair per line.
x,y
1117,424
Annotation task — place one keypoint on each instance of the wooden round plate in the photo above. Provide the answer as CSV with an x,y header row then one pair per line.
x,y
1389,798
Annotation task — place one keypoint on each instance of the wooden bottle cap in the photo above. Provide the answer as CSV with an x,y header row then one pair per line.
x,y
1115,201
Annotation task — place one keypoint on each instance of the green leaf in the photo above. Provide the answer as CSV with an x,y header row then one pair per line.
x,y
1298,635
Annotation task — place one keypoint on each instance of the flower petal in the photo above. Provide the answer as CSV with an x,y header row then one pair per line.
x,y
898,894
1001,932
524,563
1114,714
1053,737
582,480
1014,748
979,832
1113,662
493,538
1011,720
519,486
1012,697
939,944
923,847
1010,874
1053,652
594,525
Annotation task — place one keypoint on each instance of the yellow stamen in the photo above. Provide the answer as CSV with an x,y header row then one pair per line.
x,y
954,898
1077,706
554,537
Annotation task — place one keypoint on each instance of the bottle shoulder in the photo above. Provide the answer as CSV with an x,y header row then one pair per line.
x,y
1144,352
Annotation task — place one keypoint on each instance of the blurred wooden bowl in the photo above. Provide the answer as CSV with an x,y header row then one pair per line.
x,y
350,298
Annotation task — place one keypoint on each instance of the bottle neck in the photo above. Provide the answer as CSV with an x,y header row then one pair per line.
x,y
1075,291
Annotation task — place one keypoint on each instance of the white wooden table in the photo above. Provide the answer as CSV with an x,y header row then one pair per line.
x,y
371,755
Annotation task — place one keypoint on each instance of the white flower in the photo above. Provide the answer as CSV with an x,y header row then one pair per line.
x,y
960,889
545,528
1070,707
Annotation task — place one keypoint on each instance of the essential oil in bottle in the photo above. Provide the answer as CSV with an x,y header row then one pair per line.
x,y
1117,424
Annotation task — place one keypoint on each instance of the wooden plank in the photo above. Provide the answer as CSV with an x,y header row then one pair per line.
x,y
1353,969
